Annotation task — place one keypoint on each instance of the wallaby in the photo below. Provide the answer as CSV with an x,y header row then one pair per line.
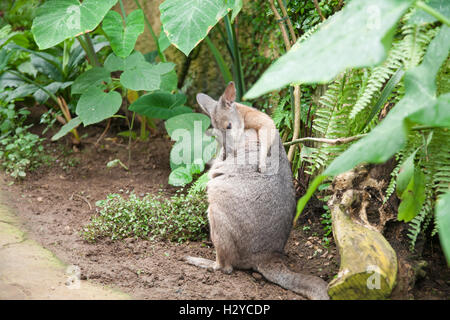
x,y
251,214
236,117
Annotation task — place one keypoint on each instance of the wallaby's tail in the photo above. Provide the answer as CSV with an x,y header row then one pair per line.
x,y
276,271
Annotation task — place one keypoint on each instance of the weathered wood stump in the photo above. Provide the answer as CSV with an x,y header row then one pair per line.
x,y
368,267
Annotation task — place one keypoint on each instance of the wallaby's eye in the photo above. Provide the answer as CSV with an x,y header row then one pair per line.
x,y
229,126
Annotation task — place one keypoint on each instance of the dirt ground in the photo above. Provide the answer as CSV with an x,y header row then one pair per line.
x,y
57,200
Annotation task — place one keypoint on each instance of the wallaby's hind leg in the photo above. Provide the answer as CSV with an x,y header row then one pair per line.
x,y
202,263
223,252
222,263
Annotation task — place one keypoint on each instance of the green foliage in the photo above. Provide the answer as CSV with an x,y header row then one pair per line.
x,y
18,13
332,119
87,107
122,38
160,105
309,63
187,22
418,56
57,20
179,218
20,150
443,221
193,148
420,94
94,77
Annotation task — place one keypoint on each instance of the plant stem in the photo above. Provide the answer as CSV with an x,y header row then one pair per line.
x,y
89,49
319,11
224,39
155,38
288,21
237,67
297,122
280,20
296,93
143,135
226,74
422,5
122,8
129,138
325,140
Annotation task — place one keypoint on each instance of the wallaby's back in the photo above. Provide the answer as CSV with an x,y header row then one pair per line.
x,y
251,216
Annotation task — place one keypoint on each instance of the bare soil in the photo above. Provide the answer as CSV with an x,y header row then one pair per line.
x,y
58,199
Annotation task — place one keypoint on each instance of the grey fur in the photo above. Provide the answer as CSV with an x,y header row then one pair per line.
x,y
251,214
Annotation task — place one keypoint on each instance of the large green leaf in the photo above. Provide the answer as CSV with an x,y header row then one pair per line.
x,y
26,68
122,38
422,17
413,197
187,22
45,63
169,81
192,144
91,78
163,41
390,135
160,105
145,76
95,105
237,8
65,129
436,116
405,174
357,36
138,73
41,96
179,177
57,20
115,63
443,223
21,91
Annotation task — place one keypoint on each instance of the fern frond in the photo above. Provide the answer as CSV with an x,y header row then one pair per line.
x,y
378,78
436,166
331,118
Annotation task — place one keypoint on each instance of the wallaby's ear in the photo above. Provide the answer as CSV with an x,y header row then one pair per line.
x,y
206,103
230,92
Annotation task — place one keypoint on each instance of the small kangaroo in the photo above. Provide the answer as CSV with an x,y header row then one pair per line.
x,y
230,115
251,214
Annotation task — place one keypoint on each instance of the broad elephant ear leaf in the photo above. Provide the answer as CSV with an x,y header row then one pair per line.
x,y
187,22
95,105
160,105
91,78
57,20
122,38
